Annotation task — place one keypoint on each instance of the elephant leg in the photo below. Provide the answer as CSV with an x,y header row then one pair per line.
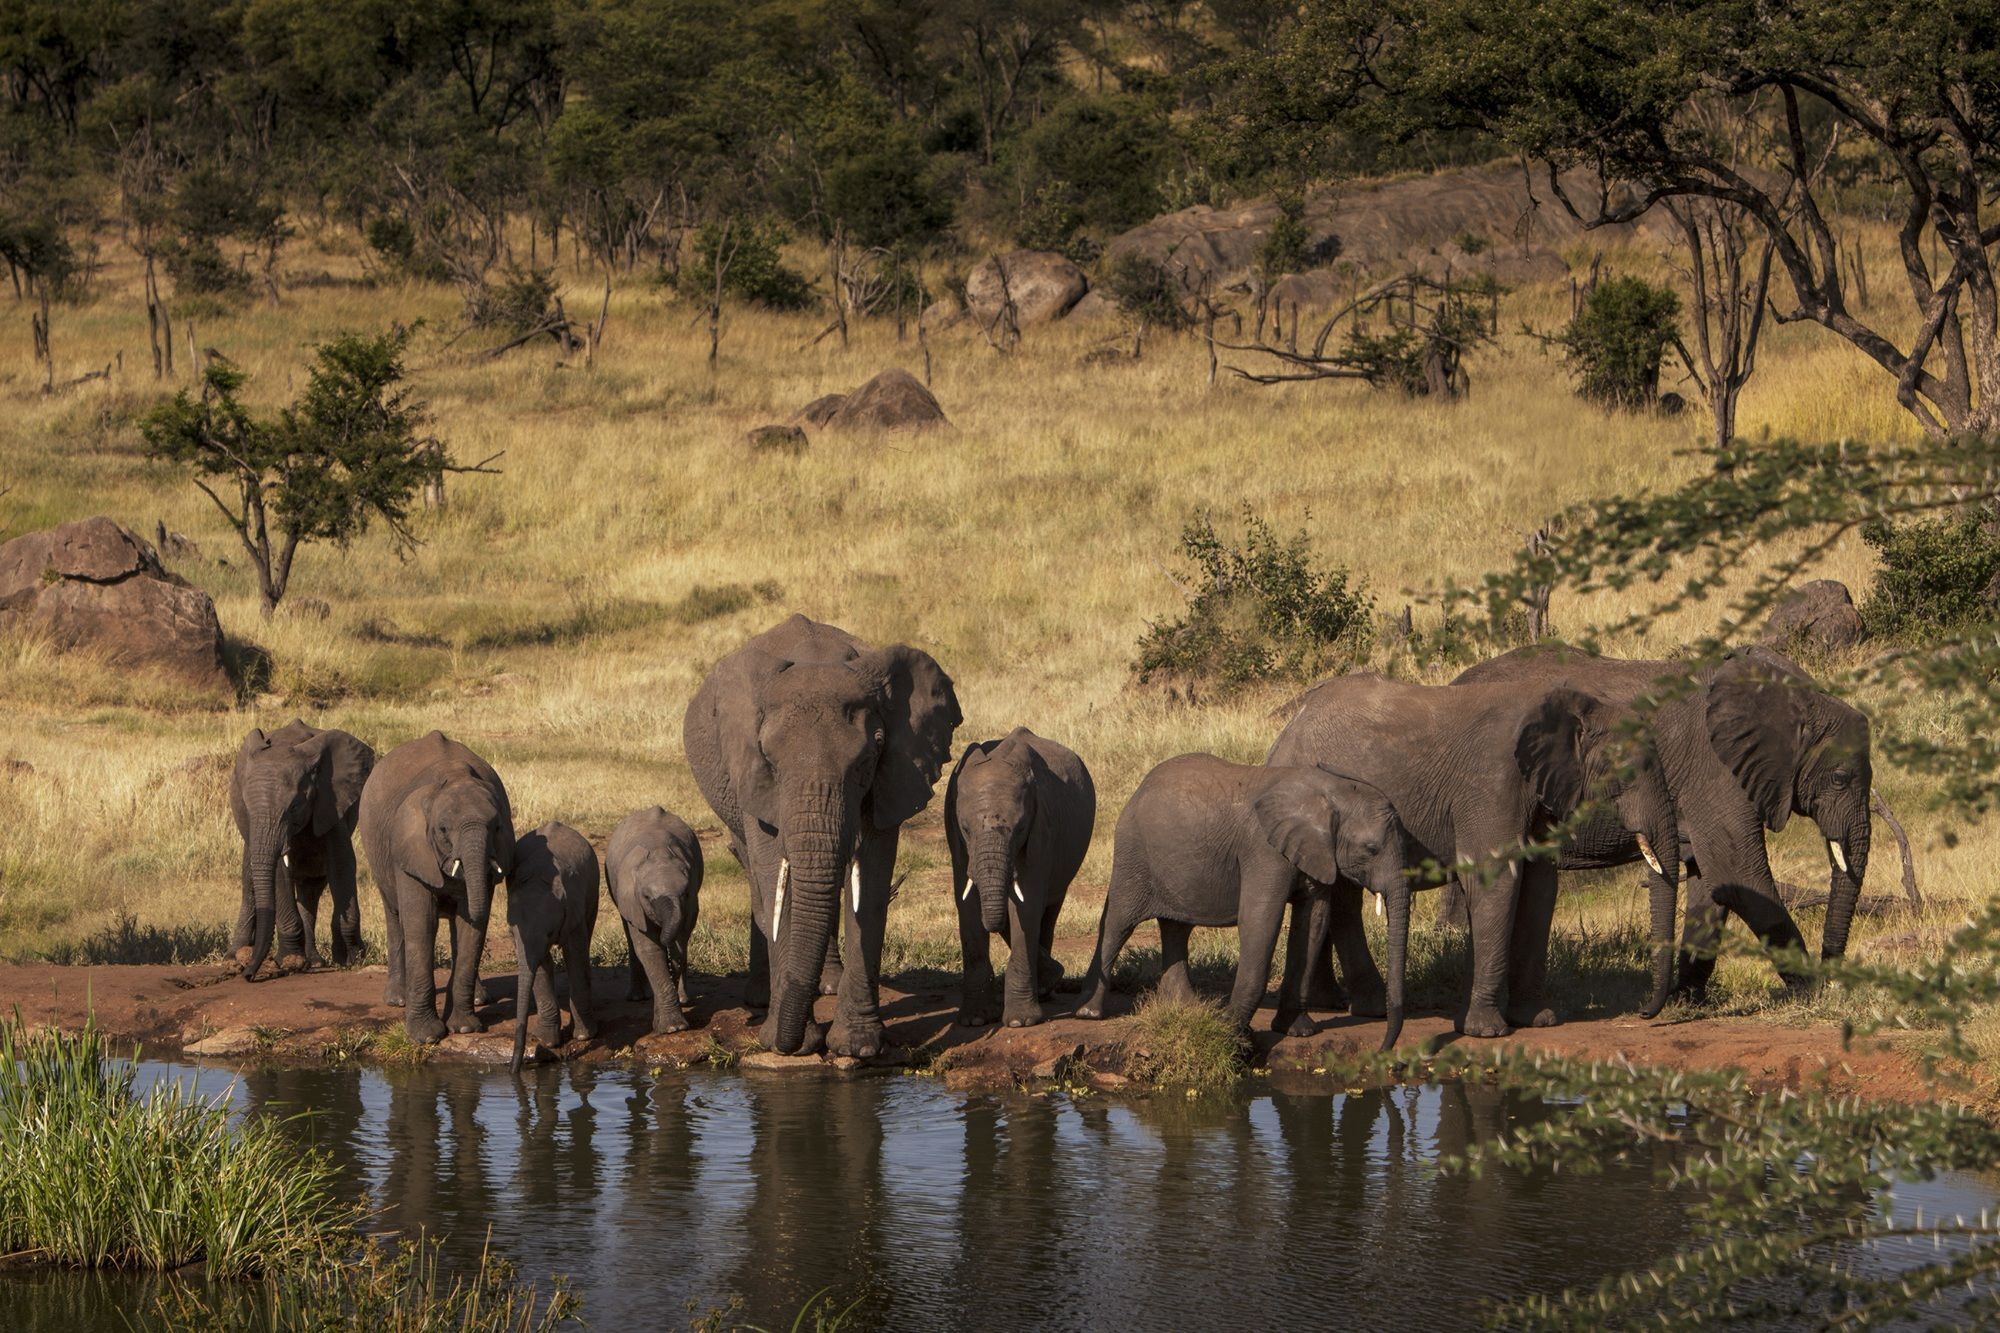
x,y
635,973
548,1016
310,892
661,980
1322,988
1123,911
246,916
1175,982
975,949
418,984
344,935
830,971
857,1024
1291,1018
1758,906
1454,909
467,943
1050,973
1259,913
1367,994
1022,1007
1701,935
1493,907
1528,948
757,991
576,961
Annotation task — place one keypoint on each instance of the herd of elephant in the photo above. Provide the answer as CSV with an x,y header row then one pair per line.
x,y
814,749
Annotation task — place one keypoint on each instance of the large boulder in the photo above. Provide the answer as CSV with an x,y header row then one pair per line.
x,y
893,400
94,585
1818,615
1042,284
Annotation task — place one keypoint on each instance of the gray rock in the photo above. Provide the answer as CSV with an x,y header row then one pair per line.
x,y
229,1041
893,400
486,1048
770,1062
1818,615
1042,284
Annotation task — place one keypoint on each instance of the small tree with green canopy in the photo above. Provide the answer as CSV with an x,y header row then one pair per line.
x,y
352,449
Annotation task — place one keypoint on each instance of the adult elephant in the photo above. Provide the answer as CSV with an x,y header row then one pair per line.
x,y
438,834
1745,744
1473,771
813,748
295,794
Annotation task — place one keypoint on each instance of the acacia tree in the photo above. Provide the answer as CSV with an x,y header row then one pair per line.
x,y
1613,102
350,450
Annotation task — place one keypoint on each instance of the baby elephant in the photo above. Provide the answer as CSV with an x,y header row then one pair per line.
x,y
1017,815
1204,842
551,899
653,865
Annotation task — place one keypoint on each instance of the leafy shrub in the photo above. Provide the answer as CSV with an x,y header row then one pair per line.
x,y
756,272
1178,1044
199,268
521,300
36,247
1614,344
1109,153
392,239
1937,575
1052,221
1289,247
1260,611
1147,290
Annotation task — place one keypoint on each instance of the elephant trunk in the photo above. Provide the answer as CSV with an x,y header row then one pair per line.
x,y
1396,899
1843,890
266,847
1662,899
524,979
474,848
817,861
993,872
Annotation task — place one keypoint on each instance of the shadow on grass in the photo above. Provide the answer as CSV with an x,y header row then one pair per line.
x,y
128,942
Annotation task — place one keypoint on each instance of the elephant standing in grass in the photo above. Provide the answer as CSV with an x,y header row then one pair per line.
x,y
1473,772
439,835
551,900
1018,814
1204,842
295,794
813,748
1745,744
653,867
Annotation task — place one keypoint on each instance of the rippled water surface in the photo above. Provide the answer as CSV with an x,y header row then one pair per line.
x,y
939,1211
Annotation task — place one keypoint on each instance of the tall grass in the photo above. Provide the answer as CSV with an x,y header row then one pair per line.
x,y
93,1177
1184,1045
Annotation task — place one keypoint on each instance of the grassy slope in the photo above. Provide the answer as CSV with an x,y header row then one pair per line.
x,y
555,617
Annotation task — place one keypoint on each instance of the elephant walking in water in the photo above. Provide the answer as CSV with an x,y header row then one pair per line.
x,y
439,835
295,795
1018,814
813,748
1745,745
1473,772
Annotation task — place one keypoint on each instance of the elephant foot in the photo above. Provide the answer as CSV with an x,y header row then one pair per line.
x,y
392,996
244,955
1293,1025
862,1039
669,1020
977,1016
293,962
1092,1008
811,1041
424,1029
464,1020
635,993
1023,1016
1483,1021
1543,1017
829,981
480,994
548,1034
1368,1002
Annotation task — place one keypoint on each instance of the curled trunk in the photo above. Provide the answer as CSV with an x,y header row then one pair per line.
x,y
1843,889
811,899
993,872
265,849
524,977
1396,900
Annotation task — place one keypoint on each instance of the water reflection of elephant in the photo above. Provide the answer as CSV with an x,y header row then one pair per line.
x,y
436,1178
320,1107
1013,1186
555,1155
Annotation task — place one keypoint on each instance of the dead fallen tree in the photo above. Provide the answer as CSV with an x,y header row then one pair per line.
x,y
1430,328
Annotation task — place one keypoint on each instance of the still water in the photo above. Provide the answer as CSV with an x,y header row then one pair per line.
x,y
665,1195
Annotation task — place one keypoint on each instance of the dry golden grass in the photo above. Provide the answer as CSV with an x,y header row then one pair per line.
x,y
557,617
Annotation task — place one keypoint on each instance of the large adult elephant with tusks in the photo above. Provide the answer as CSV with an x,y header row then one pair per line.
x,y
813,748
1745,744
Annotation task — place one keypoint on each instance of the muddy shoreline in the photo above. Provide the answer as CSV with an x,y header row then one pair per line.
x,y
208,1012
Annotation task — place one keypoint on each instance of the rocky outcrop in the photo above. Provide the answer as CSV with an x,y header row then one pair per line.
x,y
1041,283
893,400
95,586
1817,615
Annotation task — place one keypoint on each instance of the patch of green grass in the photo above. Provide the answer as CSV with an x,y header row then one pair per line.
x,y
93,1177
1175,1044
127,942
715,1053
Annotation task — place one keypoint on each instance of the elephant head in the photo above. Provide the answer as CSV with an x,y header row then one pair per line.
x,y
817,750
1333,827
287,782
993,791
1573,749
1797,749
457,829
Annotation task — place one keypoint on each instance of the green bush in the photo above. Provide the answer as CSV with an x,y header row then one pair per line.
x,y
1052,221
392,239
522,299
1259,611
1110,153
756,272
1937,576
1616,341
1183,1044
199,268
1147,290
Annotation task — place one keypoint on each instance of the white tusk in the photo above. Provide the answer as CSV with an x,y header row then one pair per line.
x,y
1839,857
778,912
451,871
1378,905
1018,896
1646,850
286,857
496,870
854,883
966,892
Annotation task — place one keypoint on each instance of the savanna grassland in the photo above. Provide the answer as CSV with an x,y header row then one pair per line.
x,y
557,616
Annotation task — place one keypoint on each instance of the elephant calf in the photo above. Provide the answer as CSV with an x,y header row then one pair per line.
x,y
1018,814
653,867
1204,842
551,900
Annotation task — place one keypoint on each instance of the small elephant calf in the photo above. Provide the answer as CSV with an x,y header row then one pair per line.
x,y
653,864
551,899
1018,813
1204,842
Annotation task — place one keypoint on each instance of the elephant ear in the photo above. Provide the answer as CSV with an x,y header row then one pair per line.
x,y
919,712
1297,816
1554,745
739,725
345,763
410,840
1755,728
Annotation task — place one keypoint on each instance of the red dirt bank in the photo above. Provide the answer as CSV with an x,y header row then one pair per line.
x,y
313,1016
